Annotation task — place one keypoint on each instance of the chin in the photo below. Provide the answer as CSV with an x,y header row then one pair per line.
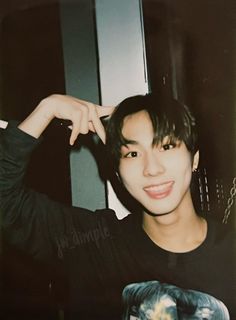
x,y
166,218
155,214
158,212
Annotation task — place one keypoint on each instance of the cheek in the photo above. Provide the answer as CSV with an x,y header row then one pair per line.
x,y
179,165
184,170
128,172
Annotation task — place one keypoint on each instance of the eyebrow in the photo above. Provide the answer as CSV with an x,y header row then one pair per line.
x,y
126,142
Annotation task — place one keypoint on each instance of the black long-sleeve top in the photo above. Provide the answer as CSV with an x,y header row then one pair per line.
x,y
113,267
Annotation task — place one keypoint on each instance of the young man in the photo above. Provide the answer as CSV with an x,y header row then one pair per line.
x,y
154,150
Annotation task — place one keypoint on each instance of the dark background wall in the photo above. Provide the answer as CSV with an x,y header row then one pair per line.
x,y
31,68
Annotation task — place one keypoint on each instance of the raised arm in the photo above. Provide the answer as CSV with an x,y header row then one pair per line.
x,y
31,221
84,116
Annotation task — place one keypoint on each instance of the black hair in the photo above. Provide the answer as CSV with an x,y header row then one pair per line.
x,y
170,118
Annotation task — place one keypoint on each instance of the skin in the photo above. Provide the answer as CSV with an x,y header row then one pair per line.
x,y
159,178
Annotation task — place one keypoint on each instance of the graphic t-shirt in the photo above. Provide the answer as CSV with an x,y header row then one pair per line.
x,y
153,300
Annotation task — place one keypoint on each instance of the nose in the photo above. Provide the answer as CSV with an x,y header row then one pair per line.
x,y
153,165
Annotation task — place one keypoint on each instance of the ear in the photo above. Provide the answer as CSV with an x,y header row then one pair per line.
x,y
195,161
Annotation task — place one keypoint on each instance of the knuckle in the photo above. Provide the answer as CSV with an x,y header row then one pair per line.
x,y
55,96
91,107
82,109
84,131
51,98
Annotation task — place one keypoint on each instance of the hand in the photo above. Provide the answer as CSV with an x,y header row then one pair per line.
x,y
84,116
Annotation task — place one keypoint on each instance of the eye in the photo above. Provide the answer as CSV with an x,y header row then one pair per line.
x,y
167,146
131,154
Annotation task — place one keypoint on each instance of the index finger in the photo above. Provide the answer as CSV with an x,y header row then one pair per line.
x,y
104,111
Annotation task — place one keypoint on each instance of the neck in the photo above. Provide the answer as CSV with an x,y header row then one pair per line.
x,y
176,233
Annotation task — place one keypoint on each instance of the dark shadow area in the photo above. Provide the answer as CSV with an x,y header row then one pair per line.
x,y
31,69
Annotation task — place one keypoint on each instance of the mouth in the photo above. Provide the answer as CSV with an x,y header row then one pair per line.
x,y
159,191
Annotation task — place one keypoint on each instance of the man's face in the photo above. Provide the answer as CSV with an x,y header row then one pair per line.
x,y
157,176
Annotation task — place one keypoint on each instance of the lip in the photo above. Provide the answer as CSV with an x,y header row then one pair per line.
x,y
160,190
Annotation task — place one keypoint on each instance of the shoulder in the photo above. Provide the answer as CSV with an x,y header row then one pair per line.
x,y
220,235
219,229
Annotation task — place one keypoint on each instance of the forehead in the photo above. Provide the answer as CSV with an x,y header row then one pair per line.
x,y
137,125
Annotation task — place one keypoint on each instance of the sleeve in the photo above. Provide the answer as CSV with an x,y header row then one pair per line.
x,y
30,220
